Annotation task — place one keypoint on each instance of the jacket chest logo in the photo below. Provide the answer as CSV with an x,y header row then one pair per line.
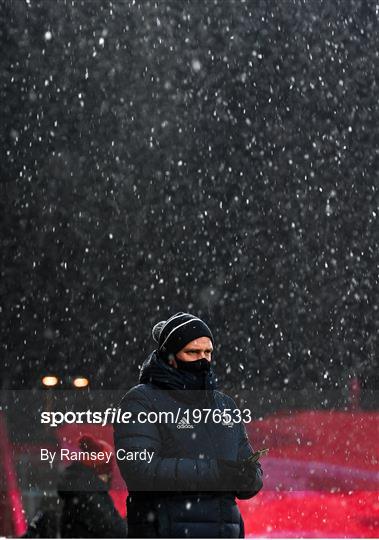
x,y
183,424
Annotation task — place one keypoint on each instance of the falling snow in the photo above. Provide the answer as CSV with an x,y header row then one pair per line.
x,y
158,157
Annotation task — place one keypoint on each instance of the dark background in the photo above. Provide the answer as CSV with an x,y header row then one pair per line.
x,y
216,157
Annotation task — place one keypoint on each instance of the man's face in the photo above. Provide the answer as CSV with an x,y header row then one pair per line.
x,y
196,349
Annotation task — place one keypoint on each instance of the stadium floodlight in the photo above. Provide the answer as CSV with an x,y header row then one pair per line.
x,y
80,382
50,380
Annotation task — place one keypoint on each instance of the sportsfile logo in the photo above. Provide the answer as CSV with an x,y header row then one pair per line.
x,y
183,424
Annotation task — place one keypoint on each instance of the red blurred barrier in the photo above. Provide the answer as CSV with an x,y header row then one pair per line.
x,y
321,476
348,439
12,520
312,514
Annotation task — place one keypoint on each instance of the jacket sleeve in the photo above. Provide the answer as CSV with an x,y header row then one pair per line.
x,y
244,452
162,473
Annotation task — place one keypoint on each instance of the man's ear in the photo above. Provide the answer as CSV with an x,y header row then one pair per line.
x,y
172,361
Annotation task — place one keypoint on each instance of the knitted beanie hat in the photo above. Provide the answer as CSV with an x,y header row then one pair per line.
x,y
172,335
88,444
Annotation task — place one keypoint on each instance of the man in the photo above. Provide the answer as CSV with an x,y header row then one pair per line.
x,y
88,510
188,488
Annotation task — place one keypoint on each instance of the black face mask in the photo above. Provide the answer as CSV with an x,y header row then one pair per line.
x,y
195,366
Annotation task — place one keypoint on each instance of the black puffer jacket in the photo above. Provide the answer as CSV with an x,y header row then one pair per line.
x,y
179,494
88,510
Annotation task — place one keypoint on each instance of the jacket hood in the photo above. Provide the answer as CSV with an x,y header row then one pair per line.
x,y
78,477
156,371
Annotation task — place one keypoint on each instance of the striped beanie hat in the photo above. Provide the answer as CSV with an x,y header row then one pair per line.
x,y
172,335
